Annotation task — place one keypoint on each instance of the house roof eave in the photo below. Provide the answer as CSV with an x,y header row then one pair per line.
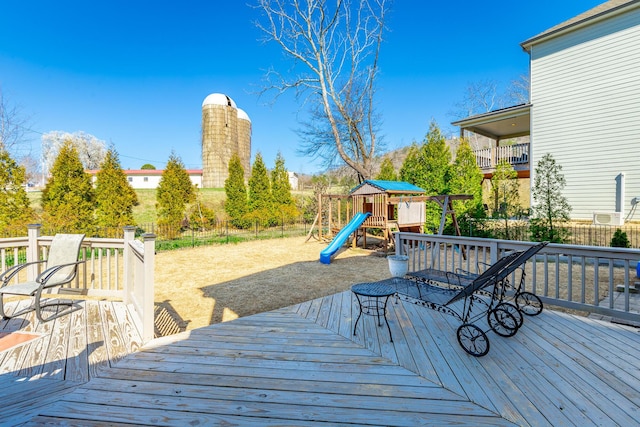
x,y
510,122
596,14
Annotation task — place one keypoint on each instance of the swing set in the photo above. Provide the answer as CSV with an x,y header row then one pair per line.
x,y
392,206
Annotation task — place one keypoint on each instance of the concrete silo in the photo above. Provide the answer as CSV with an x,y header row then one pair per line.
x,y
244,142
225,130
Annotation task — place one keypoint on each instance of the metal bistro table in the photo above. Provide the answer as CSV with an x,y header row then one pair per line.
x,y
373,298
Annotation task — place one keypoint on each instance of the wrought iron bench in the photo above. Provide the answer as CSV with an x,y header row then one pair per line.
x,y
466,298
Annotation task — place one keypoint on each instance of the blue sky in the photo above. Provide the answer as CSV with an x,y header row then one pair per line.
x,y
135,73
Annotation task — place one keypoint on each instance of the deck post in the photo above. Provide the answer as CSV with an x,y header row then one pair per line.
x,y
33,233
149,241
128,265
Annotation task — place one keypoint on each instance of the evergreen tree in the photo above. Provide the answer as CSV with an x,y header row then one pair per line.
x,y
412,169
283,202
550,206
427,166
620,239
387,171
504,190
437,158
466,178
15,210
236,205
68,199
174,192
260,200
114,196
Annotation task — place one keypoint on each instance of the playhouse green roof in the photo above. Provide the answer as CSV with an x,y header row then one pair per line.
x,y
390,186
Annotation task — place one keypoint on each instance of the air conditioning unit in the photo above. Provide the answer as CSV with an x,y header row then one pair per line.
x,y
608,218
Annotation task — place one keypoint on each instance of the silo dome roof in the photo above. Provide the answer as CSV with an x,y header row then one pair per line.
x,y
243,115
219,99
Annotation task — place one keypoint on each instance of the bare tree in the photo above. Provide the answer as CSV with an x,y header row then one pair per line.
x,y
484,96
32,168
518,91
334,46
91,150
479,97
13,126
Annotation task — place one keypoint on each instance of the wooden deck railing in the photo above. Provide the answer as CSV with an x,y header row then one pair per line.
x,y
115,268
585,278
516,154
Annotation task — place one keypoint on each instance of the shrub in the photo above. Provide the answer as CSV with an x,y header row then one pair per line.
x,y
201,217
620,240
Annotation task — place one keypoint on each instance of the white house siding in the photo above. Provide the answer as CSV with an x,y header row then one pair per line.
x,y
150,179
140,180
585,92
144,181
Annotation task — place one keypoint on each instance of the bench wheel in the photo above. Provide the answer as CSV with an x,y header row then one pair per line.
x,y
529,303
514,311
473,340
502,322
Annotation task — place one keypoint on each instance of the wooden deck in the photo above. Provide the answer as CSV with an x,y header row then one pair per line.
x,y
71,350
301,366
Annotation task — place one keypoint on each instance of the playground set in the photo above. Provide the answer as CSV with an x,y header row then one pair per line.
x,y
389,206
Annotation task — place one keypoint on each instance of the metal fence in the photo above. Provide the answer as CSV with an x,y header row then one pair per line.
x,y
577,234
221,232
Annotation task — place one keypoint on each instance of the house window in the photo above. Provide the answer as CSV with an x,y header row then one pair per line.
x,y
130,179
146,179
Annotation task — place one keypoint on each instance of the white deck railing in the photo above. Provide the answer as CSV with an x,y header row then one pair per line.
x,y
122,269
585,278
515,154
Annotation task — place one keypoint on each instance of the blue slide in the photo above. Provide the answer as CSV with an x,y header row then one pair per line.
x,y
341,237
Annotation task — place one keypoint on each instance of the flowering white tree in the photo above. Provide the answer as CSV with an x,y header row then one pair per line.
x,y
91,150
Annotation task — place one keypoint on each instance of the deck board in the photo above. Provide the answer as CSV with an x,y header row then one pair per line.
x,y
302,365
40,372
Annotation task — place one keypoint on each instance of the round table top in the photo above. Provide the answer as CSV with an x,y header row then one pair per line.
x,y
373,289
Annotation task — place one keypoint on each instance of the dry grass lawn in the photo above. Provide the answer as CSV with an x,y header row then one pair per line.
x,y
213,284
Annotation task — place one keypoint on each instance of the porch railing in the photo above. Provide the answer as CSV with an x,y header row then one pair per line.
x,y
516,154
121,269
584,278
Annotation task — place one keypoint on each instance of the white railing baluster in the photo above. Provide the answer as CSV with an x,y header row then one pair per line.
x,y
546,274
132,280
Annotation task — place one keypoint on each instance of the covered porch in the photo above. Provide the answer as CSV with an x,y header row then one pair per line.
x,y
500,126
